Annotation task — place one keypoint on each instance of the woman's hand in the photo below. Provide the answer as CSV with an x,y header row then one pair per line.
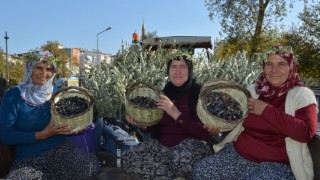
x,y
213,130
167,105
53,130
256,106
134,122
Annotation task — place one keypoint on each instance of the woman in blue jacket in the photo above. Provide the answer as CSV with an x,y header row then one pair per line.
x,y
42,151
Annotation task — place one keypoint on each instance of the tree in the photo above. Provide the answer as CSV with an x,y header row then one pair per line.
x,y
152,34
311,23
16,72
15,68
2,62
305,41
61,55
230,46
246,20
3,80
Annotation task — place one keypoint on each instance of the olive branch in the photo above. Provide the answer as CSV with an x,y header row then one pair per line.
x,y
39,56
279,49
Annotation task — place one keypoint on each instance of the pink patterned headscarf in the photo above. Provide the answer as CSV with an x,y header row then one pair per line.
x,y
264,88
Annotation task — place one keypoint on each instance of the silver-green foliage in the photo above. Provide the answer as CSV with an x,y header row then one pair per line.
x,y
236,68
108,82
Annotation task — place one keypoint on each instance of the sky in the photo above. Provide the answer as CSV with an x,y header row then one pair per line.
x,y
75,24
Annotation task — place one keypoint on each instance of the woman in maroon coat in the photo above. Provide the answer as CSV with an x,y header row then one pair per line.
x,y
177,140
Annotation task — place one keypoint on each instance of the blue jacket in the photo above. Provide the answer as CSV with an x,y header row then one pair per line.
x,y
19,122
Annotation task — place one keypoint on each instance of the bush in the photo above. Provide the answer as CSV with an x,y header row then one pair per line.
x,y
109,81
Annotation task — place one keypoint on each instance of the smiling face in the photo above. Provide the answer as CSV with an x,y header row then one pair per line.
x,y
41,73
276,70
178,72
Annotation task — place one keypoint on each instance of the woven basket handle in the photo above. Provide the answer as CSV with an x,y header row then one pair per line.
x,y
83,90
141,84
224,83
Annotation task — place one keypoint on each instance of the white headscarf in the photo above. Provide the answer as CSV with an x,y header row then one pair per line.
x,y
36,94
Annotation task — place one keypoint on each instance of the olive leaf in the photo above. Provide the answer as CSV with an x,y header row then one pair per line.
x,y
108,82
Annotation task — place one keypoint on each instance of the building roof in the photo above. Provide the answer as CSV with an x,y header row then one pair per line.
x,y
178,41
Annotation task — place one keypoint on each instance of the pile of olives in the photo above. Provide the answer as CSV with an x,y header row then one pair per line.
x,y
143,102
222,105
71,105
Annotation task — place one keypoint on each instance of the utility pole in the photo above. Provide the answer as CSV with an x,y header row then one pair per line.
x,y
7,62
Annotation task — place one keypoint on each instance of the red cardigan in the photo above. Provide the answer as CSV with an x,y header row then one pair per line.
x,y
268,131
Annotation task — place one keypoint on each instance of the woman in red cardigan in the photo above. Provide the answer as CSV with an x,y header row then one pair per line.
x,y
282,116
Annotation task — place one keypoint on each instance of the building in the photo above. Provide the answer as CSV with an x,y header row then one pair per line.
x,y
89,59
188,43
74,59
80,59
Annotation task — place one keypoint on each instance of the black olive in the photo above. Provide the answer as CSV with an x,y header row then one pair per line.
x,y
223,106
71,105
143,102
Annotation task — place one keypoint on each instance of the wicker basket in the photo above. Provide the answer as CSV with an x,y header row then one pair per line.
x,y
143,116
237,92
78,121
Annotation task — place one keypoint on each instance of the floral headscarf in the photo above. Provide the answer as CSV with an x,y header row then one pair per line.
x,y
264,88
36,94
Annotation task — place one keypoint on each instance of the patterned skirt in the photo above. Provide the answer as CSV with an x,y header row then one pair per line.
x,y
228,164
152,160
66,161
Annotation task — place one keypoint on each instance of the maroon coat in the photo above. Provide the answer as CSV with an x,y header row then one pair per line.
x,y
171,132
